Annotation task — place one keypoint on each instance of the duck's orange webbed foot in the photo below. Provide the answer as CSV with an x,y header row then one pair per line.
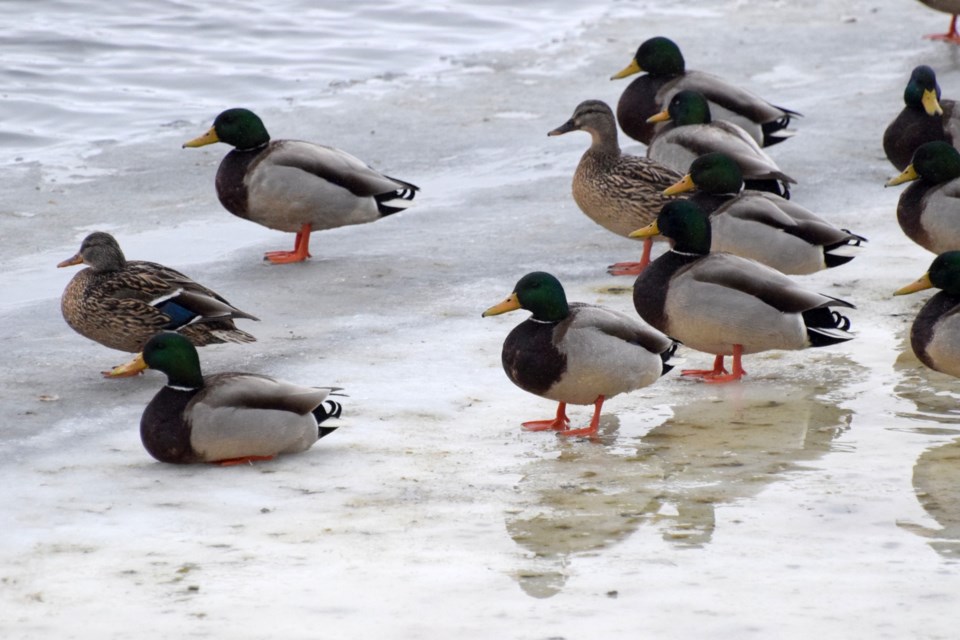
x,y
592,428
718,370
301,249
633,268
560,423
232,462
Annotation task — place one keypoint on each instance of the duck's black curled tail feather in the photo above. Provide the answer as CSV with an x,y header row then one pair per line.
x,y
826,327
394,201
836,254
326,410
775,131
667,355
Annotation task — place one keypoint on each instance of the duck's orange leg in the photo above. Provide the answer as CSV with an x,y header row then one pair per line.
x,y
232,462
633,268
735,374
559,423
301,249
590,430
950,36
718,369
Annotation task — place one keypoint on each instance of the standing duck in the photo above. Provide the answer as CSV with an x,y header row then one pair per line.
x,y
924,118
296,186
929,209
723,304
763,226
617,191
121,303
935,334
576,353
666,74
691,132
226,418
946,6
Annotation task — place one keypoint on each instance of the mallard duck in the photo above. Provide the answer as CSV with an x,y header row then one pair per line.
x,y
620,192
227,418
666,74
935,334
121,303
924,118
763,226
691,132
576,353
946,6
727,305
929,209
291,185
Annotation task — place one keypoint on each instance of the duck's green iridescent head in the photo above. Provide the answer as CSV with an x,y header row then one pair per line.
x,y
238,127
716,173
687,225
658,56
689,107
945,272
539,293
933,162
922,91
176,356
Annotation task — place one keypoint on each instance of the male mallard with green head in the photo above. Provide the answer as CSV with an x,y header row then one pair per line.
x,y
763,226
929,209
226,418
666,74
924,118
723,304
576,353
691,132
296,186
935,334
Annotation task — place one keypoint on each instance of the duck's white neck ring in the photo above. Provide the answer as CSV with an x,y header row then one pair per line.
x,y
686,253
177,388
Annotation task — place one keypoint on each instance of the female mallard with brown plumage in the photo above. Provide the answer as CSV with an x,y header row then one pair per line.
x,y
924,118
723,304
929,209
666,74
296,186
577,353
763,226
121,303
618,191
226,418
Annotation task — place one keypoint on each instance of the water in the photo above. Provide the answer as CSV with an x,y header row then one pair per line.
x,y
76,76
812,499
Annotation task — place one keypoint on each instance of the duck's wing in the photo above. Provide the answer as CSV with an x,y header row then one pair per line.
x,y
336,167
759,282
619,325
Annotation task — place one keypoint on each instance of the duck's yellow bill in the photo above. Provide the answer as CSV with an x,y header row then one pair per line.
x,y
512,303
208,138
647,232
629,70
930,103
908,174
132,368
919,285
685,184
663,116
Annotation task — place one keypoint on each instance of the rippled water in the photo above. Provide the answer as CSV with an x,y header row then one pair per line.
x,y
77,73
